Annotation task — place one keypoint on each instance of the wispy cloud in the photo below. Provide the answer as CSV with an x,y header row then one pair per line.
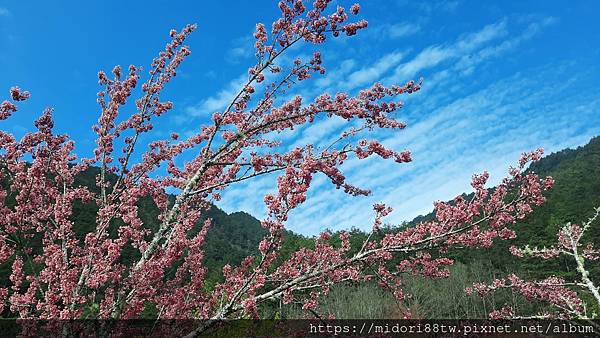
x,y
368,75
335,76
393,31
446,6
4,11
401,30
238,52
434,55
242,49
431,6
218,101
320,133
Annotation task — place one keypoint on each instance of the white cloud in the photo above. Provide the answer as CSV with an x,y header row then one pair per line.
x,y
434,55
430,6
393,31
238,52
368,75
242,49
429,57
466,63
401,30
219,101
335,76
319,133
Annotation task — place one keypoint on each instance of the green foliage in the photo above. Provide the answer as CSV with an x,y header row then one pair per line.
x,y
427,298
353,301
446,298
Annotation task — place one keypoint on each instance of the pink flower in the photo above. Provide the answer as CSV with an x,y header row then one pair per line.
x,y
18,95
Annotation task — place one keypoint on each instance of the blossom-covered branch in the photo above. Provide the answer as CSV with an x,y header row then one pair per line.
x,y
562,295
473,223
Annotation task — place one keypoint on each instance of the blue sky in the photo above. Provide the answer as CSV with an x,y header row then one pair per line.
x,y
500,78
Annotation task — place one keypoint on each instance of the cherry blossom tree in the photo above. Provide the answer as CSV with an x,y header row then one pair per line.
x,y
242,142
